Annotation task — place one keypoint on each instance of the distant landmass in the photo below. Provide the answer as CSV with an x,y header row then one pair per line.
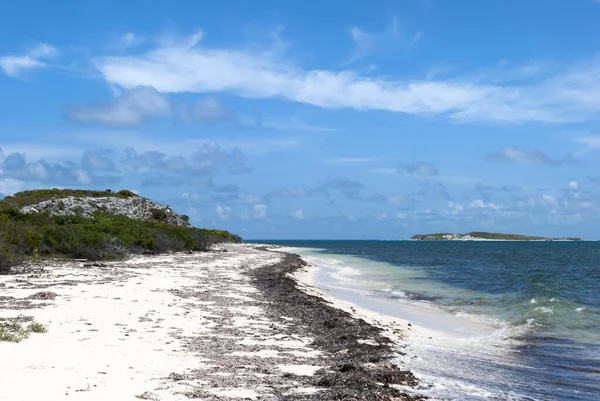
x,y
485,236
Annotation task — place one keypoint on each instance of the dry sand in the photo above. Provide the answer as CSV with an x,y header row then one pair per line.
x,y
215,325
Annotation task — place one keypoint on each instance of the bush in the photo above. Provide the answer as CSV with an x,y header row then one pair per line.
x,y
126,194
165,243
7,262
159,214
37,327
13,332
10,255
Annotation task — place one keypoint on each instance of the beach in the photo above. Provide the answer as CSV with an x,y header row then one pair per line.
x,y
239,322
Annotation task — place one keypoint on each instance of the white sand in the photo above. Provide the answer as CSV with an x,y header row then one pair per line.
x,y
120,332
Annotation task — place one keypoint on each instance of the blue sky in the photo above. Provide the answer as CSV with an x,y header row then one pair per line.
x,y
313,119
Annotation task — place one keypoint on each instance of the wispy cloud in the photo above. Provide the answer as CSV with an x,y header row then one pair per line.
x,y
523,156
210,109
186,66
130,39
297,214
364,43
13,65
591,142
367,43
422,169
132,108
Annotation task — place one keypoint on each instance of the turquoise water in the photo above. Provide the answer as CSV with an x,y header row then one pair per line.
x,y
541,298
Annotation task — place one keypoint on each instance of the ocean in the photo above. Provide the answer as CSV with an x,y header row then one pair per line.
x,y
511,320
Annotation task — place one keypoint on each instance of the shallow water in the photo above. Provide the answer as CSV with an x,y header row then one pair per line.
x,y
518,320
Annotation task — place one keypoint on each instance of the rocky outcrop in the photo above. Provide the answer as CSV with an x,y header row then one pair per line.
x,y
135,208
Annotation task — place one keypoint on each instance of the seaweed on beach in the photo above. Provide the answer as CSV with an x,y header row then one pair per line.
x,y
355,370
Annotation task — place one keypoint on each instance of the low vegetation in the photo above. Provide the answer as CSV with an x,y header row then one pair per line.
x,y
102,237
16,332
36,327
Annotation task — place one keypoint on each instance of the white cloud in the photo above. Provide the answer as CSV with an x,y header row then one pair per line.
x,y
454,208
591,142
479,204
189,69
14,64
132,108
382,216
522,156
223,211
573,185
185,66
297,214
9,186
259,211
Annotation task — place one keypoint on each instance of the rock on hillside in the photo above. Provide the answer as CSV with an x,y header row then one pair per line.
x,y
135,208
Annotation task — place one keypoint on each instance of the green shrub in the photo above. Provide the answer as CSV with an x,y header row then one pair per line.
x,y
159,214
37,327
13,332
126,194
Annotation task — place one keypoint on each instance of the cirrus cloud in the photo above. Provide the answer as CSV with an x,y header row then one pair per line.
x,y
523,156
13,65
188,67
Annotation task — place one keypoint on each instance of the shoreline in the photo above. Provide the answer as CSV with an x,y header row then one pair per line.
x,y
232,324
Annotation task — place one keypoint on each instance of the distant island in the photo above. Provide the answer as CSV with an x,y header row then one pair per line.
x,y
485,236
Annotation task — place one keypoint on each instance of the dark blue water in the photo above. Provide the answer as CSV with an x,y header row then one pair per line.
x,y
547,293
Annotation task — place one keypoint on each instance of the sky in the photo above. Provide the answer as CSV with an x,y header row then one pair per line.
x,y
312,120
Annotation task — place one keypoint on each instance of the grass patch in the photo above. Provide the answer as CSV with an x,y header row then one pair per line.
x,y
36,327
13,332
